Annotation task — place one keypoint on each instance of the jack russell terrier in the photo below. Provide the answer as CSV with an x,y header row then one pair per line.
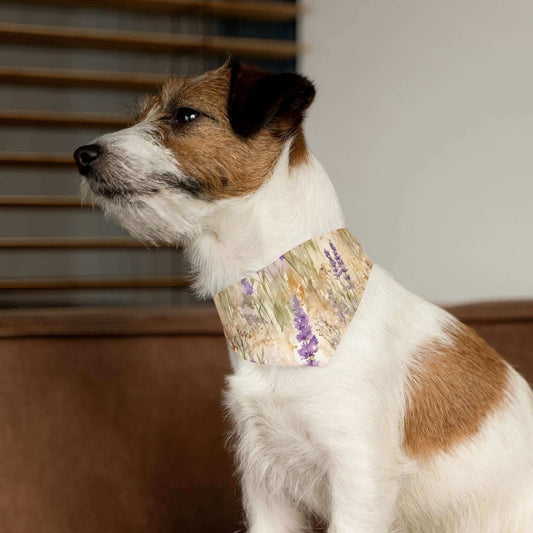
x,y
353,401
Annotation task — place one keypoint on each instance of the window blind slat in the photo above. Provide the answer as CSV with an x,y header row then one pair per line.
x,y
239,9
35,159
26,201
79,78
146,41
140,282
65,243
46,119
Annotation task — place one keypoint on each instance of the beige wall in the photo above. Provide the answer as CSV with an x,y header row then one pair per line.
x,y
424,121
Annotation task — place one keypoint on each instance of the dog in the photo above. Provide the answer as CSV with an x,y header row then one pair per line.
x,y
416,424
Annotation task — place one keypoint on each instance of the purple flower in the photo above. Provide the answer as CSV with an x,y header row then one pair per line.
x,y
309,342
247,286
338,259
282,257
339,268
333,264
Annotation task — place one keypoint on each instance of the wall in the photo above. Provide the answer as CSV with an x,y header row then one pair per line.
x,y
424,121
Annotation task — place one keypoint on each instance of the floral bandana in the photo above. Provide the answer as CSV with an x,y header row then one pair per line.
x,y
294,311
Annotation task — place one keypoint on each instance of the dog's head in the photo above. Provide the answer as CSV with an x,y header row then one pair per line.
x,y
197,142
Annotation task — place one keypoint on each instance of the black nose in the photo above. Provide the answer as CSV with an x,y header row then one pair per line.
x,y
84,156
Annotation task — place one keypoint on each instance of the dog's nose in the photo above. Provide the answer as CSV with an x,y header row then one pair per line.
x,y
85,155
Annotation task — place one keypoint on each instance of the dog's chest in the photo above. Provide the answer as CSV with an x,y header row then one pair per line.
x,y
276,436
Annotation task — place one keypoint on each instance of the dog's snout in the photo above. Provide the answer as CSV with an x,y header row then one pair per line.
x,y
84,157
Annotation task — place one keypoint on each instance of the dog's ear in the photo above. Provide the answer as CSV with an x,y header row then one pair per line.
x,y
258,99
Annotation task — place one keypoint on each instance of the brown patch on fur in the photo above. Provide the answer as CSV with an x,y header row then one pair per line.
x,y
217,162
452,389
298,154
147,103
208,151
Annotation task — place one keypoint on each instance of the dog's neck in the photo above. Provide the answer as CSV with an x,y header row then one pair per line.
x,y
243,235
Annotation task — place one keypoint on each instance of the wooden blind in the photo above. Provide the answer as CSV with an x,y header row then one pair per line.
x,y
68,72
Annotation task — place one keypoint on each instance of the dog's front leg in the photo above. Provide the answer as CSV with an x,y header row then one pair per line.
x,y
362,494
268,512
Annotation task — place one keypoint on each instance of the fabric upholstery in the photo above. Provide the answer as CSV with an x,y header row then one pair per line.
x,y
111,420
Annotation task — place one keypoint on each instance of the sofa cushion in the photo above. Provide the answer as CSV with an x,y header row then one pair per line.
x,y
111,419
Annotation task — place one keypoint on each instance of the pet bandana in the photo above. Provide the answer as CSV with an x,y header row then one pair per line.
x,y
294,311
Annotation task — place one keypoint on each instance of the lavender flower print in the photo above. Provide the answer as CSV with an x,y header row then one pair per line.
x,y
333,263
295,310
339,268
309,342
247,287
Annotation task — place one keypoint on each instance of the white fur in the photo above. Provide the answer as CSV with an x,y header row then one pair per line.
x,y
139,152
327,440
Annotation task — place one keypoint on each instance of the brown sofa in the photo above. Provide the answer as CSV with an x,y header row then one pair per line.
x,y
110,419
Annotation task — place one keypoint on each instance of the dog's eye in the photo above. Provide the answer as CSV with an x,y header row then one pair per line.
x,y
185,115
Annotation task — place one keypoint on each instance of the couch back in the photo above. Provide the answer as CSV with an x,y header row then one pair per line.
x,y
111,419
